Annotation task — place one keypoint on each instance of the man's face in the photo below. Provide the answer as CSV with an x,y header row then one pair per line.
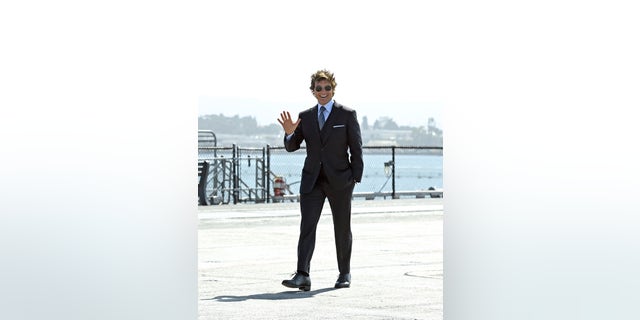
x,y
324,95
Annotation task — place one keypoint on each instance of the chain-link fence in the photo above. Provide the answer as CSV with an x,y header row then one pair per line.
x,y
271,174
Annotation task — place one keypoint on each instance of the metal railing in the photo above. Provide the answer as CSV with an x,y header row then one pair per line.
x,y
247,174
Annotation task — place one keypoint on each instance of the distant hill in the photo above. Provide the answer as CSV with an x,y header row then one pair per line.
x,y
246,132
235,125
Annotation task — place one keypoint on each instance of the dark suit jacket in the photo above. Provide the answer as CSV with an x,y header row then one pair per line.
x,y
341,133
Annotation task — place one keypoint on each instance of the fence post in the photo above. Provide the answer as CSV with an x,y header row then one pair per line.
x,y
268,173
265,176
393,172
234,172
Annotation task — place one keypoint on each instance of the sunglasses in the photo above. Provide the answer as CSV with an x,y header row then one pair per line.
x,y
326,88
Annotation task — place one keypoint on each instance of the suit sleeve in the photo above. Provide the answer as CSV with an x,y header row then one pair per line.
x,y
355,147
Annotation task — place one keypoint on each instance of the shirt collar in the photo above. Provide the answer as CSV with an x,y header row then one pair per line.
x,y
328,106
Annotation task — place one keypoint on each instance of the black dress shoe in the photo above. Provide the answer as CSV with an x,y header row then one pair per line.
x,y
344,281
299,281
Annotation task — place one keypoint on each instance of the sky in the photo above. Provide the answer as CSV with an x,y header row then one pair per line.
x,y
387,61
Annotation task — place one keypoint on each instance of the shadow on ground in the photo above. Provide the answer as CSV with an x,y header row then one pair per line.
x,y
284,295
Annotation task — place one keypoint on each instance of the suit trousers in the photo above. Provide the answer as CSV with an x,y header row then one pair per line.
x,y
311,207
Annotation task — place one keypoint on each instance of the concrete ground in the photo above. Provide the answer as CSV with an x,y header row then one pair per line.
x,y
246,250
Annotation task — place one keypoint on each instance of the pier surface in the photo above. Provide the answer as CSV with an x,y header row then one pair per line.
x,y
246,250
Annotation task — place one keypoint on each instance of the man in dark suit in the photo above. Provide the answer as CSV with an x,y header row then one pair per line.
x,y
331,169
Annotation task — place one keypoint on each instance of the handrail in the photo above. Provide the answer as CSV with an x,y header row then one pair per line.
x,y
229,184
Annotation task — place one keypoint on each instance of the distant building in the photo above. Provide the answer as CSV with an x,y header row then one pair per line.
x,y
380,137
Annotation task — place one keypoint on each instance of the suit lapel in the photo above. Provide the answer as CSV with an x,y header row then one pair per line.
x,y
316,123
328,124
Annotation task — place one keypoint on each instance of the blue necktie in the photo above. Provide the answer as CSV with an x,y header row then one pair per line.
x,y
321,117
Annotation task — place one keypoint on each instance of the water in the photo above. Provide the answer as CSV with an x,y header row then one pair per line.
x,y
412,171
